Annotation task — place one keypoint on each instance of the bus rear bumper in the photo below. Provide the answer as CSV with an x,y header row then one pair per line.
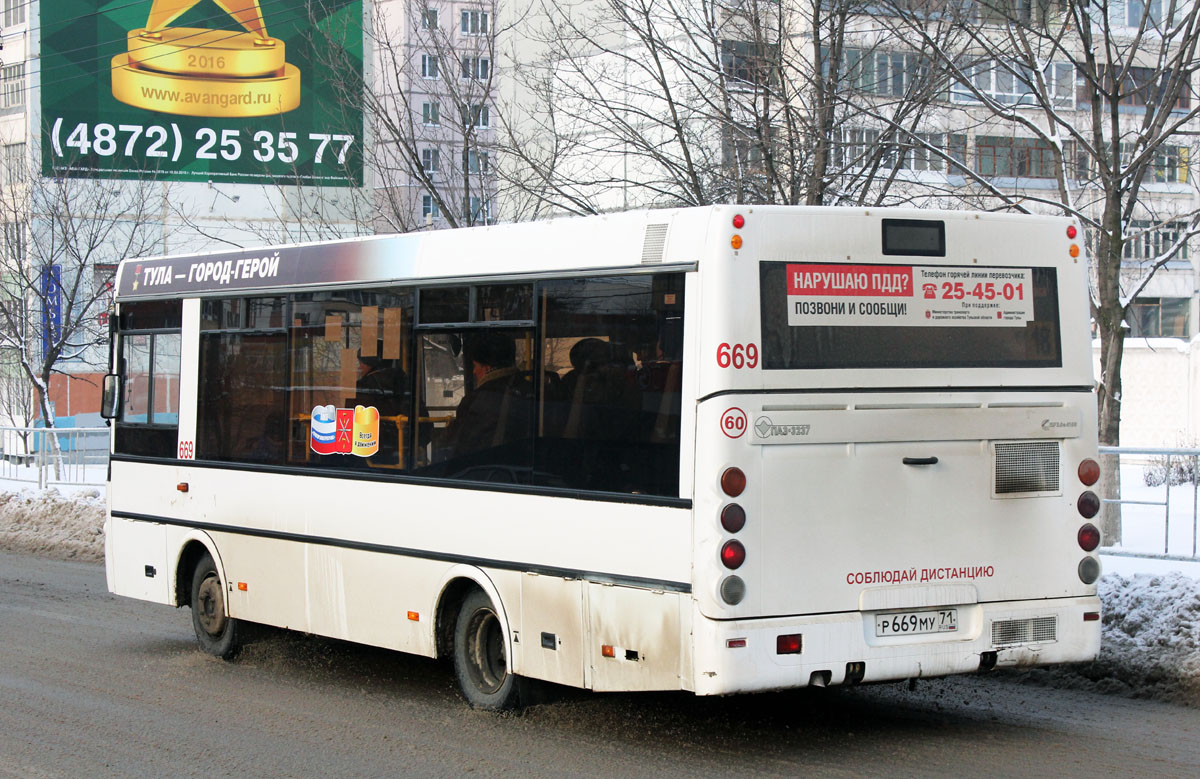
x,y
733,656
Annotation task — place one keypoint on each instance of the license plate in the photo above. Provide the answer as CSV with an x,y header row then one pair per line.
x,y
912,623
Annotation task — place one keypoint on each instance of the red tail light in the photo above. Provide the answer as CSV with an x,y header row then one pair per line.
x,y
1089,472
733,518
789,645
1071,231
1089,537
733,554
1088,504
739,221
733,482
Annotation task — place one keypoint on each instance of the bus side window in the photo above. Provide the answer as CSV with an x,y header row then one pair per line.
x,y
479,388
351,349
148,423
241,398
613,344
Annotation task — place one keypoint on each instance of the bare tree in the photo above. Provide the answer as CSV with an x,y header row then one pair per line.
x,y
428,98
1097,98
62,239
661,102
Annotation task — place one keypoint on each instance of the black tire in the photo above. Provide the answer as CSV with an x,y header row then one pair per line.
x,y
480,659
217,632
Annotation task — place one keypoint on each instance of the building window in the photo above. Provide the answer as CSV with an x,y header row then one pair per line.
x,y
1015,84
14,12
752,63
429,19
857,144
12,85
1140,87
476,68
935,152
477,161
1170,165
429,66
430,160
1158,317
476,116
1014,157
431,114
744,148
1148,241
14,163
429,207
14,240
882,72
1006,11
1137,10
478,210
474,23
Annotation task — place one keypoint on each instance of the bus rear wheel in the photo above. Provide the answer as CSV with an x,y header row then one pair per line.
x,y
480,658
215,630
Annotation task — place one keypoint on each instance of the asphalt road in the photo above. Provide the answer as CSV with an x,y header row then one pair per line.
x,y
94,685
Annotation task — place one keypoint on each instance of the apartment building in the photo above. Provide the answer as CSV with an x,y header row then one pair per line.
x,y
432,104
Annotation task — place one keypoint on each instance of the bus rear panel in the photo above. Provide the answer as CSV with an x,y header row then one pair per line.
x,y
893,413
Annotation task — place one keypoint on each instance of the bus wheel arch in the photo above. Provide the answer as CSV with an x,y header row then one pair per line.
x,y
472,629
195,546
199,576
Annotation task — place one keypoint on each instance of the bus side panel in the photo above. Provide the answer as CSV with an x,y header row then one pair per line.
x,y
645,630
551,645
274,575
135,560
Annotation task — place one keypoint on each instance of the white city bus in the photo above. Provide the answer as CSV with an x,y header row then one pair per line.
x,y
715,449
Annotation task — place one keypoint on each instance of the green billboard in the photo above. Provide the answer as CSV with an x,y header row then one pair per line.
x,y
248,91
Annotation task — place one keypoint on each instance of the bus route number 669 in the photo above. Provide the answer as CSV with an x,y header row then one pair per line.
x,y
737,356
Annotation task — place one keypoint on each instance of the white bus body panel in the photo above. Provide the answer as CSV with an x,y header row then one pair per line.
x,y
135,559
831,641
381,550
824,518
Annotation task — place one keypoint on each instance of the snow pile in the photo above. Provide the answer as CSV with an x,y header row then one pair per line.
x,y
1150,641
50,524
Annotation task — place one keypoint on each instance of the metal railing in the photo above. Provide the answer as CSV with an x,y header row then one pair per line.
x,y
51,456
1156,485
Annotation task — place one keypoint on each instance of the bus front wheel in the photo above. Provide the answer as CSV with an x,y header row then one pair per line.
x,y
215,630
480,658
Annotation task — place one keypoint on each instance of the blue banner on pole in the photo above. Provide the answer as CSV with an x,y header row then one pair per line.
x,y
51,290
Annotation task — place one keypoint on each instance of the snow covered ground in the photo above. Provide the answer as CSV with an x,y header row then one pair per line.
x,y
1151,622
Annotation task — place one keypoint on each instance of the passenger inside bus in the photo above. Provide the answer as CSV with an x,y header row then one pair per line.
x,y
384,385
498,408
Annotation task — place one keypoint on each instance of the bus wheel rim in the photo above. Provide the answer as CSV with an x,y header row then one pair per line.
x,y
210,606
488,665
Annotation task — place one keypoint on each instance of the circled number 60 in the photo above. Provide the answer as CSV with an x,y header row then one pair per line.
x,y
737,356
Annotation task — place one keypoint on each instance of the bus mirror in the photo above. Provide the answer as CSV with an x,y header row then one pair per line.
x,y
110,400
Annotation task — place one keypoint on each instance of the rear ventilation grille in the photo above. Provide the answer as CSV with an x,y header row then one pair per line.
x,y
1024,631
1027,466
653,243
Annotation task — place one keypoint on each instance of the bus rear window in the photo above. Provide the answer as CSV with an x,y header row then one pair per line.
x,y
842,315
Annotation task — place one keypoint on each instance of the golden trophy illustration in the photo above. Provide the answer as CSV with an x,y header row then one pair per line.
x,y
203,72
